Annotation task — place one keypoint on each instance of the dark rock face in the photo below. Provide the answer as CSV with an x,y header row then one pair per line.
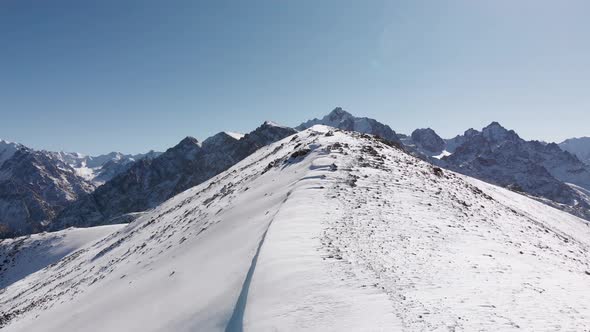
x,y
500,156
149,182
427,139
580,147
34,188
341,119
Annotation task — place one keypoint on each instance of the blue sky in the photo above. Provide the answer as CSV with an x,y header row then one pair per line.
x,y
96,76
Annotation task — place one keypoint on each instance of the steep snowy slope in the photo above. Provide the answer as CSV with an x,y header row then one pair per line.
x,y
324,230
22,256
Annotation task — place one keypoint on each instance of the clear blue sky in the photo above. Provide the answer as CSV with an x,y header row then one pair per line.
x,y
95,76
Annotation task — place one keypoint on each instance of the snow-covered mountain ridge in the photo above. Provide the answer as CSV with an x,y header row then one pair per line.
x,y
501,157
35,186
150,182
341,119
323,230
99,169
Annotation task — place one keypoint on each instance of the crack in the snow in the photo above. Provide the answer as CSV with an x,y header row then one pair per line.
x,y
236,322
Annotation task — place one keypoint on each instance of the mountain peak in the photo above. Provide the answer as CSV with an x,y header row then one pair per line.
x,y
341,119
269,123
494,124
188,147
219,140
338,113
495,132
189,140
428,139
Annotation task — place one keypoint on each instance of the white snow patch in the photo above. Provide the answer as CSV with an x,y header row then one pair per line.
x,y
445,153
237,136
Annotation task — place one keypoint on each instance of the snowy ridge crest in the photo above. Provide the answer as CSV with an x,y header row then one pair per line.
x,y
385,240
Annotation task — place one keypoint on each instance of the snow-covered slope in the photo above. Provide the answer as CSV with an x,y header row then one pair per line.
x,y
578,146
24,255
324,230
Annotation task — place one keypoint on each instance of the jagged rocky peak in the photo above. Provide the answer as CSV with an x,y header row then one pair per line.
x,y
150,182
189,147
34,187
579,147
341,119
218,139
267,133
188,141
470,132
428,139
494,132
269,123
7,150
338,113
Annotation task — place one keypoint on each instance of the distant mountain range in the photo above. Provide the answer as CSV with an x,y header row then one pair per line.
x,y
501,157
578,146
35,186
151,181
41,190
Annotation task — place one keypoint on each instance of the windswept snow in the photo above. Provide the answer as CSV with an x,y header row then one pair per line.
x,y
323,230
235,135
27,254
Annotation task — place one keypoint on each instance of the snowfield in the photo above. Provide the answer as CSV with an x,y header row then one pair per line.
x,y
325,230
27,254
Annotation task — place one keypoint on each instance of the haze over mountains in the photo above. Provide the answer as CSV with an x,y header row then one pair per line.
x,y
41,190
325,229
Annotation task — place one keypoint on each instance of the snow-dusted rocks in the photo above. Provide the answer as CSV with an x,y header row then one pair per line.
x,y
149,182
323,230
500,156
341,119
34,187
425,142
99,169
579,147
7,150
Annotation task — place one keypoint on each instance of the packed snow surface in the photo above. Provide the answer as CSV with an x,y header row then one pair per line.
x,y
27,254
327,231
